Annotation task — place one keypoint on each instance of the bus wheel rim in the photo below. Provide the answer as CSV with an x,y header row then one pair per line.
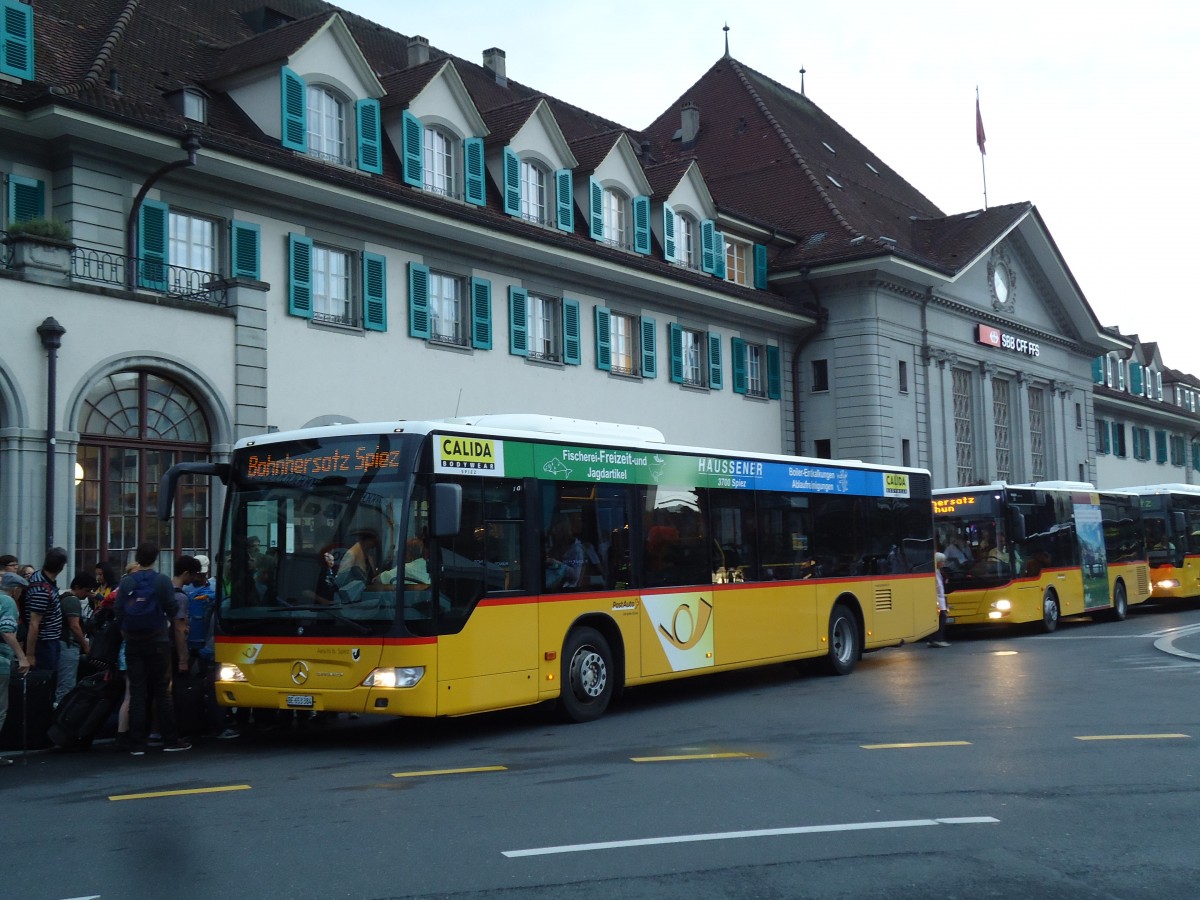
x,y
588,674
841,640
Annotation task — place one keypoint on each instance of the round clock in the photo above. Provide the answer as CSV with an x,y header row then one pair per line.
x,y
1000,283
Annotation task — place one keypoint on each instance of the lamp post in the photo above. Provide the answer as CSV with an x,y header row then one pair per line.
x,y
51,332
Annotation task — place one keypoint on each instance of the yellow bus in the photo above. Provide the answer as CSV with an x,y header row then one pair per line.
x,y
1171,517
1037,552
446,567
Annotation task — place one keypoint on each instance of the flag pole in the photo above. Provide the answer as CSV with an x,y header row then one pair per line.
x,y
981,140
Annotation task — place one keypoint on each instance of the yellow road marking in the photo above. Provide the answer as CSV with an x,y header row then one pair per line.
x,y
449,771
1128,737
907,746
153,794
690,756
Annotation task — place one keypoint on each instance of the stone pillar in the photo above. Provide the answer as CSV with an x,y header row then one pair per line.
x,y
248,298
986,466
1022,450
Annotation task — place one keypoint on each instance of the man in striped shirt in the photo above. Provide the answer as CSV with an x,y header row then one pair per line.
x,y
43,612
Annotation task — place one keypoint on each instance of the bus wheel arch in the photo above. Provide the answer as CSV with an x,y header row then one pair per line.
x,y
1120,608
845,636
589,672
1051,611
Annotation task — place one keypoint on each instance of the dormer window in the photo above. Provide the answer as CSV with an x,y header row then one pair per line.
x,y
326,125
194,106
438,171
737,261
615,217
533,192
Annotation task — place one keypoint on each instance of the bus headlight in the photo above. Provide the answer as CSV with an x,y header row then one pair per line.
x,y
1167,583
392,678
230,672
1002,605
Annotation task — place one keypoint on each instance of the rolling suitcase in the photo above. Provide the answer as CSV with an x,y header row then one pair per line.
x,y
191,709
83,712
30,711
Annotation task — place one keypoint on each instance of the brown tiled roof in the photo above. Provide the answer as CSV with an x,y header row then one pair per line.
x,y
404,85
504,122
665,177
272,46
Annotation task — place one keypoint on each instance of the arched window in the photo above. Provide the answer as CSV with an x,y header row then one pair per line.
x,y
326,125
133,427
533,192
438,171
615,217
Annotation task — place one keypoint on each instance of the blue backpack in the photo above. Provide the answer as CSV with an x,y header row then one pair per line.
x,y
200,608
143,613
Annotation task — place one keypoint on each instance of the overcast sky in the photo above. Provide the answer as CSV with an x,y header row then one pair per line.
x,y
1091,109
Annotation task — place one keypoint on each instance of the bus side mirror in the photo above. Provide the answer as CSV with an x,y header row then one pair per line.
x,y
1179,522
1016,528
447,509
170,480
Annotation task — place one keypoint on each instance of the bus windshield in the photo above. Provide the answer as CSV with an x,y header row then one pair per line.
x,y
311,536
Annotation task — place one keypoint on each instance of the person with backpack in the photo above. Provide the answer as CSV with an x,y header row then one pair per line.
x,y
42,614
145,610
12,655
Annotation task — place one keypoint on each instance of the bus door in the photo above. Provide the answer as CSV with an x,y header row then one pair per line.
x,y
486,619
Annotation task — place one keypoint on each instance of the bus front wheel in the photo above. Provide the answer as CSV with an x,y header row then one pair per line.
x,y
844,646
587,677
1050,611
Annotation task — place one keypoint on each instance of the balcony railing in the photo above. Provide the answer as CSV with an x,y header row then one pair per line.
x,y
178,282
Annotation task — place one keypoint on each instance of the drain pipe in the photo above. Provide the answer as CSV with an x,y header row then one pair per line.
x,y
822,320
51,332
190,143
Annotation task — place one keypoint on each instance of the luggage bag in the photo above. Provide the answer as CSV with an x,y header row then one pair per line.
x,y
83,712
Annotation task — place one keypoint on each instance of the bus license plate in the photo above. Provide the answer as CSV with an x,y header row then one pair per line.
x,y
300,700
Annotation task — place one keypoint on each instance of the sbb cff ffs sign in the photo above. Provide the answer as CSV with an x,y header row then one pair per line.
x,y
1002,340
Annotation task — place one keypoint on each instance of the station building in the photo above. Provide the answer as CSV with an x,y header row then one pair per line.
x,y
226,219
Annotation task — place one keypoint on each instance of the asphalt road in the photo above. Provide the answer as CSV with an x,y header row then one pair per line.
x,y
1003,766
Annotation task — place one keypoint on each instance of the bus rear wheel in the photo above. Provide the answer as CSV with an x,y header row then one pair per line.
x,y
844,642
587,676
1050,611
1120,608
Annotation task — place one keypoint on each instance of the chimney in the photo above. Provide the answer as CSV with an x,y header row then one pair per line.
x,y
691,124
493,61
418,50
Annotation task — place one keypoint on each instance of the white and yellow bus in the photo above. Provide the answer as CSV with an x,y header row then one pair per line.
x,y
1037,552
1171,518
447,567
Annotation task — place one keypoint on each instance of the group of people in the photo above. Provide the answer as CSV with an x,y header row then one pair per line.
x,y
133,631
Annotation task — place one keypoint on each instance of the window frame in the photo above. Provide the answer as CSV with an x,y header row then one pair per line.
x,y
318,116
322,253
615,213
820,376
624,347
447,154
440,304
529,205
544,324
738,266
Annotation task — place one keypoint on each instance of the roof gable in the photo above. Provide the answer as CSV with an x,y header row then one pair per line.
x,y
611,158
540,132
445,99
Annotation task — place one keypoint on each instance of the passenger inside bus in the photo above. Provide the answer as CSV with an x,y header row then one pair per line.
x,y
564,557
357,568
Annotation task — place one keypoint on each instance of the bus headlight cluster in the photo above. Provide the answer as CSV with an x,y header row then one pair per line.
x,y
230,672
1000,608
395,678
1167,583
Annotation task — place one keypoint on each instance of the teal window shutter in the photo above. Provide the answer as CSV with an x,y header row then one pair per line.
x,y
481,314
293,105
649,348
708,232
512,183
16,39
595,210
473,154
374,277
518,321
603,339
668,233
418,301
26,198
1135,378
737,347
718,254
641,224
412,154
152,245
1137,443
572,349
1101,436
370,140
1196,455
774,379
564,199
1098,370
1117,444
244,241
676,332
300,299
715,373
1160,445
760,267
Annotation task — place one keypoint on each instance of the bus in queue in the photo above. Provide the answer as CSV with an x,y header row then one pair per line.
x,y
1033,553
436,568
1171,517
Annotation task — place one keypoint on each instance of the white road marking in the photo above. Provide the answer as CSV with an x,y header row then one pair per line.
x,y
762,832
